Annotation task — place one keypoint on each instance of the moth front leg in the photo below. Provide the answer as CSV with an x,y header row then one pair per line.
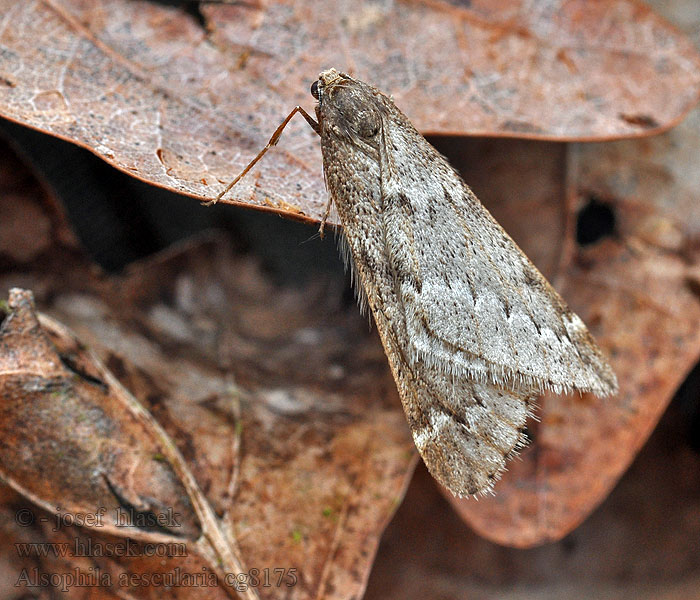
x,y
273,142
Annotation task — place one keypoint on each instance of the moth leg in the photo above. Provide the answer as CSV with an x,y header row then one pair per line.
x,y
273,142
325,216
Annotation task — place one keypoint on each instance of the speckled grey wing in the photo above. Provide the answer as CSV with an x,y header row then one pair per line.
x,y
471,329
465,430
476,306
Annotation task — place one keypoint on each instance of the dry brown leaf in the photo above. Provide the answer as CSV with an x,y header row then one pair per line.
x,y
280,403
148,90
69,438
75,443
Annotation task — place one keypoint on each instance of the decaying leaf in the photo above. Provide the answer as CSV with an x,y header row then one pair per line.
x,y
271,427
75,442
146,88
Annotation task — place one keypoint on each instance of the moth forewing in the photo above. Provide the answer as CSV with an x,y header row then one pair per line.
x,y
472,330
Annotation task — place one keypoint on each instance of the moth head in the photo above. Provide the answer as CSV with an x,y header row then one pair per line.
x,y
348,107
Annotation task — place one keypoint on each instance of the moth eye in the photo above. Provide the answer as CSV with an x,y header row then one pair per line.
x,y
314,89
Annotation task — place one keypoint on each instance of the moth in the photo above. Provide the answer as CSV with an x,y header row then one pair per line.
x,y
473,332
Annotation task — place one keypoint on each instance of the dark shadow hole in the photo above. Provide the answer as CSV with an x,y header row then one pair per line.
x,y
594,221
194,10
190,7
